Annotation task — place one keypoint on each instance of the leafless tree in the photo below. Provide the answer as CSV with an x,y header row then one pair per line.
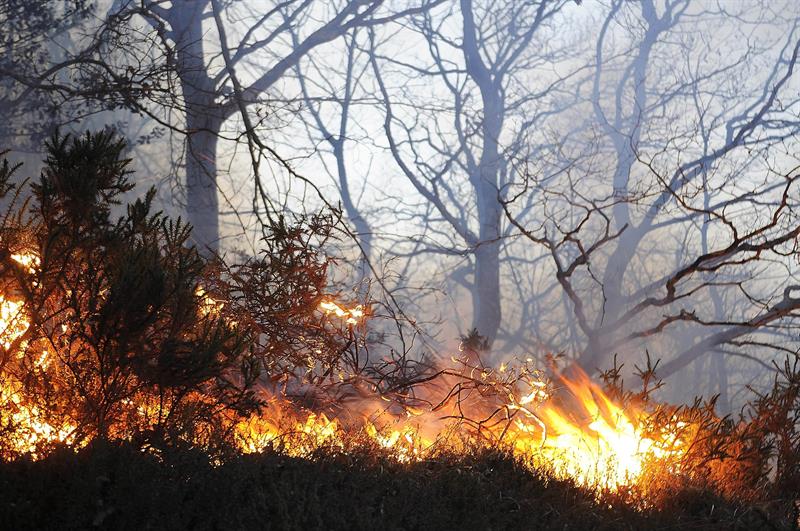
x,y
692,231
226,56
323,87
478,73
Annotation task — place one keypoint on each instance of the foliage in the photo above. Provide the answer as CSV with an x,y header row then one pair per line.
x,y
117,344
27,57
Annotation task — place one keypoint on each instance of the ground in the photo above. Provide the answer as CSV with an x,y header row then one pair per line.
x,y
118,487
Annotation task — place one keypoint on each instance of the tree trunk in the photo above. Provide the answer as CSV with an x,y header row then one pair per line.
x,y
203,123
486,291
363,231
202,204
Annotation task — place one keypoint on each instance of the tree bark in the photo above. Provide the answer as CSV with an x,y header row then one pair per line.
x,y
203,123
486,292
202,204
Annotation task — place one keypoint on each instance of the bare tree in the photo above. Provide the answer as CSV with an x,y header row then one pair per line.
x,y
455,148
28,55
323,87
228,72
688,240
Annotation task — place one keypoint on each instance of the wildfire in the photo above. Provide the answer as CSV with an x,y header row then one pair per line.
x,y
574,428
30,430
587,437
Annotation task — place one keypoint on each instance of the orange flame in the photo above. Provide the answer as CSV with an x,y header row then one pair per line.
x,y
578,431
596,441
28,427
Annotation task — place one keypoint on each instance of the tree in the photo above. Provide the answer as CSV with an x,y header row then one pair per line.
x,y
28,56
699,209
210,77
322,88
457,149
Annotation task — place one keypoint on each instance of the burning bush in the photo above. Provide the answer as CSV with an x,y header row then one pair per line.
x,y
115,344
116,329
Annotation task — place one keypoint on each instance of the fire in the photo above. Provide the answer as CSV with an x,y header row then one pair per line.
x,y
13,323
27,426
351,316
574,428
30,261
596,441
298,438
585,436
404,444
208,305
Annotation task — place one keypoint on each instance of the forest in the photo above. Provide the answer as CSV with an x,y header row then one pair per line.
x,y
399,264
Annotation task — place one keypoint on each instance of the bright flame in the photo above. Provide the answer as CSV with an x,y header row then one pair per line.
x,y
404,444
13,322
28,428
351,316
594,440
208,305
29,260
578,430
298,438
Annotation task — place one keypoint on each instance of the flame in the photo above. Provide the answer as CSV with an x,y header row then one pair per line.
x,y
26,425
28,260
574,428
404,444
208,305
351,316
300,438
594,440
589,438
13,322
28,428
